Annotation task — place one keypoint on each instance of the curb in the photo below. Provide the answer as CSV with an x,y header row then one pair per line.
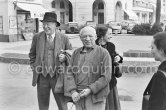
x,y
138,53
11,60
135,67
14,57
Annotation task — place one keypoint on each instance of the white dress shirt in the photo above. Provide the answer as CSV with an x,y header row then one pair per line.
x,y
52,37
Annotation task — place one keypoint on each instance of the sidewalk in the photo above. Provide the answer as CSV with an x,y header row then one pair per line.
x,y
18,51
10,51
14,51
130,86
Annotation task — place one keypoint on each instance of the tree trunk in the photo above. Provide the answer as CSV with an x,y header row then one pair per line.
x,y
158,11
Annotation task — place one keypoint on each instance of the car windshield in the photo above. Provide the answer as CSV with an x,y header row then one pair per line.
x,y
131,24
114,24
72,24
124,23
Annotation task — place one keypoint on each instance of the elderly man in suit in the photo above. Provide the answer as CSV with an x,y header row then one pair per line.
x,y
89,74
45,58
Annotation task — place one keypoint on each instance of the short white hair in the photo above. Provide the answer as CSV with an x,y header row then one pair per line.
x,y
88,28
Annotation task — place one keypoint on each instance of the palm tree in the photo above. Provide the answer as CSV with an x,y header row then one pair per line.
x,y
157,26
158,11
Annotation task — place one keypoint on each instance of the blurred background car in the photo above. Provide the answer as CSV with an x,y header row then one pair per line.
x,y
116,27
124,24
72,28
163,25
130,27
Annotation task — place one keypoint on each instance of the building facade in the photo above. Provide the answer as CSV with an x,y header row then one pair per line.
x,y
19,19
102,11
163,11
145,10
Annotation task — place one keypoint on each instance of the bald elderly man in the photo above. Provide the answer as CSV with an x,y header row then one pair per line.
x,y
89,74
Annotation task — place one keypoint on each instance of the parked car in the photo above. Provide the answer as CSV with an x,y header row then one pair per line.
x,y
163,25
91,23
72,28
130,27
116,26
124,24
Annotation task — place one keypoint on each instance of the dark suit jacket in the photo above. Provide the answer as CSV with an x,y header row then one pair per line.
x,y
37,52
157,99
112,51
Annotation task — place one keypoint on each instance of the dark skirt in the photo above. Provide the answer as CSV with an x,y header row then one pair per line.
x,y
112,101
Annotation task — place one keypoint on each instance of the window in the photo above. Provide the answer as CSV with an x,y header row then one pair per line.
x,y
126,6
62,17
62,5
1,25
100,18
53,4
100,5
134,2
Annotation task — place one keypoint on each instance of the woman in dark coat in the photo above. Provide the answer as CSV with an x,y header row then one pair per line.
x,y
104,34
157,85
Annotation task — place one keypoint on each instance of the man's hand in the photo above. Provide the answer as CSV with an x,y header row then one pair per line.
x,y
117,58
75,96
61,57
85,92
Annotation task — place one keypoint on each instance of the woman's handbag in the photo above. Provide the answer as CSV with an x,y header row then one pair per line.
x,y
145,102
117,71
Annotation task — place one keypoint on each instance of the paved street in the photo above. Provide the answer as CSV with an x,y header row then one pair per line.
x,y
123,43
16,92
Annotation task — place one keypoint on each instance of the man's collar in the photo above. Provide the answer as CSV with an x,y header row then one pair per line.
x,y
53,35
87,49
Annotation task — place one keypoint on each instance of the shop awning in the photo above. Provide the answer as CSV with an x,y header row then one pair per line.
x,y
36,10
132,15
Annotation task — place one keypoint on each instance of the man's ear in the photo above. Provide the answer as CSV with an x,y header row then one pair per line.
x,y
56,24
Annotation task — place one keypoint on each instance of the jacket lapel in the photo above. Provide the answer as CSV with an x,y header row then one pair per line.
x,y
42,42
57,44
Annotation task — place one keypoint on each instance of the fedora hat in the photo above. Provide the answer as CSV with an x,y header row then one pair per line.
x,y
50,17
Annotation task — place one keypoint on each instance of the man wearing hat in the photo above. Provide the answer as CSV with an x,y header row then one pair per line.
x,y
45,58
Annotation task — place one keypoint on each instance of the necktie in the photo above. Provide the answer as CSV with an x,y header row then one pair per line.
x,y
50,38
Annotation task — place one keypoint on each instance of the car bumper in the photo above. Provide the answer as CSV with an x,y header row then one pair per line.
x,y
116,31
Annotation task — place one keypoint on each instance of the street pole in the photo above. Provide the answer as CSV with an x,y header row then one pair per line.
x,y
17,20
158,12
75,10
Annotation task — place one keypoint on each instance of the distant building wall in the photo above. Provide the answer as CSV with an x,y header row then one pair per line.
x,y
12,21
4,20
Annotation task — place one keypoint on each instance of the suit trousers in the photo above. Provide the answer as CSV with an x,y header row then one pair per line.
x,y
44,85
